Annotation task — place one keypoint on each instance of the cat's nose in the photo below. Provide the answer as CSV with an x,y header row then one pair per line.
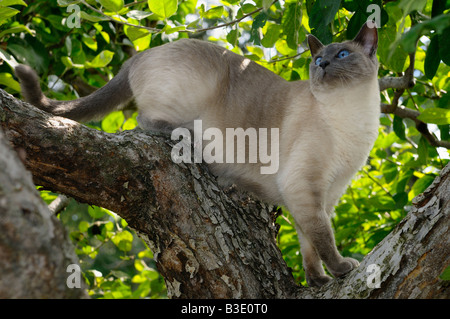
x,y
324,64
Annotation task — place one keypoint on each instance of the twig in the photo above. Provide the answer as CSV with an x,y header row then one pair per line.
x,y
58,204
134,3
403,82
119,21
422,127
159,30
378,183
286,58
228,23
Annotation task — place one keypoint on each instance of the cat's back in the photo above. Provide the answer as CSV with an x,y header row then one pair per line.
x,y
177,82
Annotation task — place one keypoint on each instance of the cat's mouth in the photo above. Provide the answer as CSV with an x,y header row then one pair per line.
x,y
327,75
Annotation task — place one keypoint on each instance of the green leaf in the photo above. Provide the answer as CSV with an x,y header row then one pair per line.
x,y
112,5
438,24
290,23
123,240
113,122
272,35
404,180
89,41
389,171
163,8
92,18
140,37
435,115
321,16
399,127
382,202
6,13
8,58
438,7
138,15
432,58
422,151
83,226
100,60
96,212
213,13
422,184
389,50
409,6
445,132
135,33
65,3
258,22
444,46
233,36
8,80
30,51
445,274
355,23
401,200
6,3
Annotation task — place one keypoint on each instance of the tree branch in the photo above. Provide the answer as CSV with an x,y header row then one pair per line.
x,y
34,248
403,83
406,264
198,233
159,30
422,127
209,243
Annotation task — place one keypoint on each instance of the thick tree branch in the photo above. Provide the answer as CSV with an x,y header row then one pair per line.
x,y
209,243
408,266
34,248
199,235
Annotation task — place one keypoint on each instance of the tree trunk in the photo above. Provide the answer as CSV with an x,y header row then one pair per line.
x,y
34,249
210,243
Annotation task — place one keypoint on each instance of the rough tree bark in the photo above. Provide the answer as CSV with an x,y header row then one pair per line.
x,y
209,243
34,249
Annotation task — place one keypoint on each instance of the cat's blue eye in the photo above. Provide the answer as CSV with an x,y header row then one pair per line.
x,y
343,54
318,60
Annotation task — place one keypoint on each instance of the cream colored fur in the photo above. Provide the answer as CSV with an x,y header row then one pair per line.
x,y
327,125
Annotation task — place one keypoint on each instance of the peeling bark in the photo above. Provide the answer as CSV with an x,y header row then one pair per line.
x,y
210,243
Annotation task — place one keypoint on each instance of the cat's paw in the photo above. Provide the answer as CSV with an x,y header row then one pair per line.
x,y
317,281
345,266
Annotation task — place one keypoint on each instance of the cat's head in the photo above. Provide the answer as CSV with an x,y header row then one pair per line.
x,y
344,64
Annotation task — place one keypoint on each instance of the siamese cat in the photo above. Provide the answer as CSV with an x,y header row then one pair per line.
x,y
327,125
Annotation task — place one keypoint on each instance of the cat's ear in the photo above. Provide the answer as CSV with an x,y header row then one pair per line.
x,y
314,44
368,38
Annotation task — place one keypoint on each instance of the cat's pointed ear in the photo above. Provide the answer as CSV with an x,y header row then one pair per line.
x,y
368,38
314,44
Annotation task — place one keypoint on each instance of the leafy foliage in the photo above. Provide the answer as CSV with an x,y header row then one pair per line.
x,y
74,59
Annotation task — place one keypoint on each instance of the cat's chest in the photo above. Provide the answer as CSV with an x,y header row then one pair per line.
x,y
354,128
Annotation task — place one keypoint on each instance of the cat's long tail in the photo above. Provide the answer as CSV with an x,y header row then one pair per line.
x,y
114,94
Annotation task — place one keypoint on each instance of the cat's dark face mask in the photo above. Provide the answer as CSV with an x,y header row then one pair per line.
x,y
344,64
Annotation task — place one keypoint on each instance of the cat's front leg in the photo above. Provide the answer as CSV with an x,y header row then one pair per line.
x,y
306,202
312,264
